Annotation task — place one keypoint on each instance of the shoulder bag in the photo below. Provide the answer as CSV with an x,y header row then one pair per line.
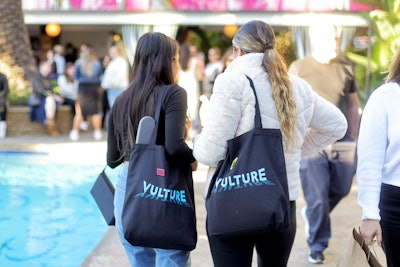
x,y
159,208
357,254
34,99
248,193
102,192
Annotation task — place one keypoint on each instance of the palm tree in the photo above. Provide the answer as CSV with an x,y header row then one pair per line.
x,y
16,57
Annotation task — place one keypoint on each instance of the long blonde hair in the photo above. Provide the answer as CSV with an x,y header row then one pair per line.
x,y
394,68
258,37
87,57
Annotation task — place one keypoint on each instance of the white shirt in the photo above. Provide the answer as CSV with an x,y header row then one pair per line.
x,y
67,89
116,75
378,149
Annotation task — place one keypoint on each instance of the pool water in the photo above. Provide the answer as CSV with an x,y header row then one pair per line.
x,y
48,217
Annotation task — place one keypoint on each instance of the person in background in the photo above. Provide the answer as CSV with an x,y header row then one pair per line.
x,y
53,66
156,64
378,169
68,87
70,53
227,58
307,121
116,75
327,176
59,59
45,112
88,72
104,98
4,89
212,69
189,75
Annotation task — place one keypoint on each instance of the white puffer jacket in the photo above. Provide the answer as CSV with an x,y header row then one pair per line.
x,y
231,113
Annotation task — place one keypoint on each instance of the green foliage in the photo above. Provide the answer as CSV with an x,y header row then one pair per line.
x,y
18,96
283,43
285,46
218,39
386,40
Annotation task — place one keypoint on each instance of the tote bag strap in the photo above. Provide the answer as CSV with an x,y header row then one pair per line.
x,y
160,100
257,118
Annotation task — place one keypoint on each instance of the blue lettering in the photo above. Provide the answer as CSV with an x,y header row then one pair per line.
x,y
231,183
153,190
218,182
237,181
145,186
224,182
245,179
183,196
261,174
160,195
166,191
164,194
237,177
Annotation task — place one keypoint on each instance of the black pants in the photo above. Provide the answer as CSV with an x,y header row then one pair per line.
x,y
273,249
3,113
70,102
389,206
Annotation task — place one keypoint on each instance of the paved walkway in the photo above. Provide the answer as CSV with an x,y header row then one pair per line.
x,y
109,252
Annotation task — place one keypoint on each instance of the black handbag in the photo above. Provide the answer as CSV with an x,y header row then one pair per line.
x,y
248,193
159,208
103,193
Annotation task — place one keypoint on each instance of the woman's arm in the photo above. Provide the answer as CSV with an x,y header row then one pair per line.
x,y
222,120
175,124
113,154
371,151
327,125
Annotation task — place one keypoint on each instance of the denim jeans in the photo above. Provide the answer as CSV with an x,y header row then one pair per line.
x,y
112,94
326,178
143,256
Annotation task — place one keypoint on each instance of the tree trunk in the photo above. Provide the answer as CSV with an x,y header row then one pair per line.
x,y
16,57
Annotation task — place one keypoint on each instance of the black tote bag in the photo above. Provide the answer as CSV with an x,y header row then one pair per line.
x,y
159,208
248,193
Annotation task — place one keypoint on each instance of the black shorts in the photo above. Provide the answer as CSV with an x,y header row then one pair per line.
x,y
89,98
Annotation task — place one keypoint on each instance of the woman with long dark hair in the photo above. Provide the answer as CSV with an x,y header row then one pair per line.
x,y
155,67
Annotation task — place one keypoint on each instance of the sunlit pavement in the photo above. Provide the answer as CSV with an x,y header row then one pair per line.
x,y
109,252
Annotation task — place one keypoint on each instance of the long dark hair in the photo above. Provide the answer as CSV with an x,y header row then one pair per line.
x,y
152,68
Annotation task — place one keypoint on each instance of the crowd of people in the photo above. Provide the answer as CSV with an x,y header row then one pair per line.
x,y
314,102
82,82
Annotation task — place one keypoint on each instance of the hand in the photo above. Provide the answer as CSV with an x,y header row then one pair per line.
x,y
371,232
194,165
59,99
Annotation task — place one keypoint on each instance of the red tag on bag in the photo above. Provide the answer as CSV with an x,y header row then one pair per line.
x,y
160,172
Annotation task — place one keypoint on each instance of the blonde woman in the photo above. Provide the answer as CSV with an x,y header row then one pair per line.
x,y
378,166
307,121
88,72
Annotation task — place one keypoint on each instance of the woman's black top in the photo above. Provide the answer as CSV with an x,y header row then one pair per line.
x,y
170,130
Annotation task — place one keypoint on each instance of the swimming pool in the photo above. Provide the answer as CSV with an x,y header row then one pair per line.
x,y
47,216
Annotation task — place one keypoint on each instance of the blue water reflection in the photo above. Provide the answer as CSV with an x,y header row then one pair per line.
x,y
47,216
